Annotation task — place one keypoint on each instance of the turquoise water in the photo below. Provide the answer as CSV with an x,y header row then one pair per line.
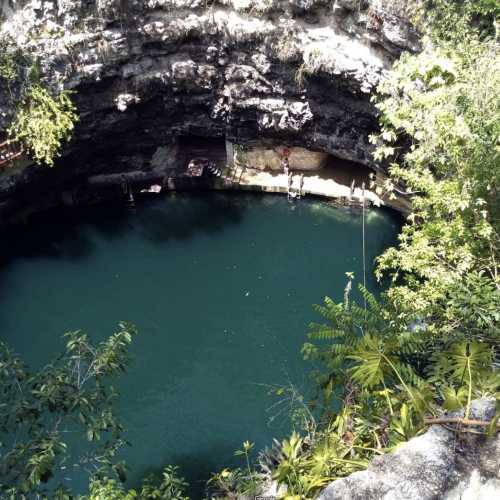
x,y
220,287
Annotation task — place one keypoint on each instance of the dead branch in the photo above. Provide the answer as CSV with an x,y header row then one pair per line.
x,y
456,420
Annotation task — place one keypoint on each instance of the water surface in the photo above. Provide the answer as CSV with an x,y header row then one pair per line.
x,y
220,287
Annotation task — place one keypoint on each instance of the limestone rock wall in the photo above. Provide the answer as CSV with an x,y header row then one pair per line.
x,y
267,158
439,465
298,73
298,70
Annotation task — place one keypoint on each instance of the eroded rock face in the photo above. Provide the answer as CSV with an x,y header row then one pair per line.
x,y
271,159
439,464
147,71
300,70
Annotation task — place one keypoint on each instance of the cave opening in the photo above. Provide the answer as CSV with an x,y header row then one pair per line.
x,y
346,172
321,165
195,146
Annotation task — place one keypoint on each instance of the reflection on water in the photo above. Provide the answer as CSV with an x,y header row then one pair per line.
x,y
220,287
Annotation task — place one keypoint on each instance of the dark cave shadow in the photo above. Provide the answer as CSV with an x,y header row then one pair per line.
x,y
67,233
189,216
72,235
59,233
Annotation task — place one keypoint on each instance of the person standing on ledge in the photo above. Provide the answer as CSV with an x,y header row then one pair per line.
x,y
353,183
285,164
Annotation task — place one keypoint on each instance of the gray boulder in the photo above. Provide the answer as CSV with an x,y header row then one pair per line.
x,y
440,464
419,470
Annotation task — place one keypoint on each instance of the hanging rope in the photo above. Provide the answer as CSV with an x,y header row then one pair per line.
x,y
364,246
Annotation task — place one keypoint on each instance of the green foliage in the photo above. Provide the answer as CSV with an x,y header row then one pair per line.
x,y
379,378
452,20
313,60
443,104
304,470
245,452
431,341
377,360
467,369
231,484
43,123
37,408
9,64
371,344
170,486
110,489
303,465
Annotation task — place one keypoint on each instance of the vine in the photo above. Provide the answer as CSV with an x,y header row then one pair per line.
x,y
42,122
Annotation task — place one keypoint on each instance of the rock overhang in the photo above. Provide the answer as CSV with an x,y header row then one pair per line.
x,y
298,73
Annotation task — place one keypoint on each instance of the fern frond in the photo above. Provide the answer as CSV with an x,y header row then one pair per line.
x,y
324,332
408,374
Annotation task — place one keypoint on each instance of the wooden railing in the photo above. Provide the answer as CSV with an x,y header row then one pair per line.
x,y
9,151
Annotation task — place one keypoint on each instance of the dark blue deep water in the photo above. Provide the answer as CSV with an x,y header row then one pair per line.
x,y
220,287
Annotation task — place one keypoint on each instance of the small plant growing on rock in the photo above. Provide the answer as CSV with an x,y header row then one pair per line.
x,y
286,47
8,65
253,7
171,486
310,66
231,484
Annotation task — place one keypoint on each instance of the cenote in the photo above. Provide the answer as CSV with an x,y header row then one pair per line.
x,y
220,287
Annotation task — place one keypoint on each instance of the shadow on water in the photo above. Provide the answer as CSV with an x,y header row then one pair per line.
x,y
67,233
188,217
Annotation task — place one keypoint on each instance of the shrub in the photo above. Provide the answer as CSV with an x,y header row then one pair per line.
x,y
43,123
170,486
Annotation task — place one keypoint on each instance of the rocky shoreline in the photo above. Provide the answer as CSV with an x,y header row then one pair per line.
x,y
38,190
